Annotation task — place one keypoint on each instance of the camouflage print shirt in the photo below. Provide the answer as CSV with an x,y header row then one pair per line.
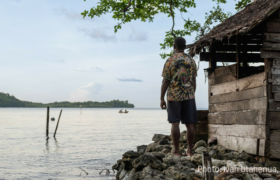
x,y
180,70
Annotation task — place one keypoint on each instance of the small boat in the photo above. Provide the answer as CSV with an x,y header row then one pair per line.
x,y
123,112
52,118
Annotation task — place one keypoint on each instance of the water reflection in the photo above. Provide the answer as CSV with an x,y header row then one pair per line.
x,y
47,145
56,145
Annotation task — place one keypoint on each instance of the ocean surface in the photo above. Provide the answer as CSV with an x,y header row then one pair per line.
x,y
86,141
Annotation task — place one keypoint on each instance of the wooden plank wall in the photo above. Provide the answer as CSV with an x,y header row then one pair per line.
x,y
238,110
271,51
201,132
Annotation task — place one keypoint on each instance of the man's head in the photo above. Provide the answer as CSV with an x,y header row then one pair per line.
x,y
179,44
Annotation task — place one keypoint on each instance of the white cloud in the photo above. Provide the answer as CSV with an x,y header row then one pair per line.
x,y
93,69
86,93
138,36
99,34
129,80
70,14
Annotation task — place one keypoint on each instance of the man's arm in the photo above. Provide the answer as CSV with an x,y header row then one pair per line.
x,y
164,87
194,83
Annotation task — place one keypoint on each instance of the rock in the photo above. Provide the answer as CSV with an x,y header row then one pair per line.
x,y
131,155
273,164
149,173
147,160
122,175
163,142
128,158
185,158
160,148
170,159
252,160
200,144
127,165
218,163
183,137
197,159
158,155
179,172
117,165
158,137
151,147
212,141
200,150
172,172
220,148
215,154
166,151
244,156
188,164
229,156
231,164
233,178
256,165
131,175
199,174
184,145
141,149
119,172
251,177
241,164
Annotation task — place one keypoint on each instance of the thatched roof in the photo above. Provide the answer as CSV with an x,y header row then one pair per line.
x,y
242,22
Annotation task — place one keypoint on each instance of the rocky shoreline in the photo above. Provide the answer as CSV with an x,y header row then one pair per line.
x,y
156,162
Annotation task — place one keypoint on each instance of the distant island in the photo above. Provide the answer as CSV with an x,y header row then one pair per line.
x,y
7,100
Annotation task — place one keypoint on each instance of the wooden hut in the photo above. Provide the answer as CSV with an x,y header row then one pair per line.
x,y
244,98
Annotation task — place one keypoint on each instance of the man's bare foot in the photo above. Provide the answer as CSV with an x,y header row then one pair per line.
x,y
187,154
176,154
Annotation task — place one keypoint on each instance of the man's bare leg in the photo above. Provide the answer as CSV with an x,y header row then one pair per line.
x,y
190,138
175,132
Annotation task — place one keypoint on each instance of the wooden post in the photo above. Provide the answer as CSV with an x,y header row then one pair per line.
x,y
57,123
267,68
207,167
238,59
48,119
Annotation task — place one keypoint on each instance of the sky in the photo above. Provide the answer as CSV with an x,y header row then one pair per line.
x,y
49,53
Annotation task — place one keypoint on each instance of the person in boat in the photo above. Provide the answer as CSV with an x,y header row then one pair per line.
x,y
121,111
126,111
179,80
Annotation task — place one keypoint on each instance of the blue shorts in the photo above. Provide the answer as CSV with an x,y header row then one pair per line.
x,y
184,111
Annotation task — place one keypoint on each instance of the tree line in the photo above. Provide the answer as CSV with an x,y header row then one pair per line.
x,y
7,100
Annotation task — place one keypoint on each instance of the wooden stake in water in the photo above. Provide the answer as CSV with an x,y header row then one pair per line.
x,y
48,118
57,123
81,109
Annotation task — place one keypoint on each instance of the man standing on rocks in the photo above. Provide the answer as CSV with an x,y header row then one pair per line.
x,y
179,77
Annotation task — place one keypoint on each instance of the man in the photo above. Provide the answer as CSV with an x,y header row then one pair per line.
x,y
179,77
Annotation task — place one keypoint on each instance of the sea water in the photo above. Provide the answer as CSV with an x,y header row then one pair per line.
x,y
87,141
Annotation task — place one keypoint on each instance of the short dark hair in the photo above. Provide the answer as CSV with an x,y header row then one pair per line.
x,y
180,43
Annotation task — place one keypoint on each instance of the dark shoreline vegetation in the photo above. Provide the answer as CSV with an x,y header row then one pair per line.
x,y
7,100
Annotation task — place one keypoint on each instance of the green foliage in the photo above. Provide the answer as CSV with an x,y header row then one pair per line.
x,y
125,11
128,10
217,15
7,100
241,4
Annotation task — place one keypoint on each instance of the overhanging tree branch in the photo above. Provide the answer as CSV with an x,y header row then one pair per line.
x,y
172,15
126,8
